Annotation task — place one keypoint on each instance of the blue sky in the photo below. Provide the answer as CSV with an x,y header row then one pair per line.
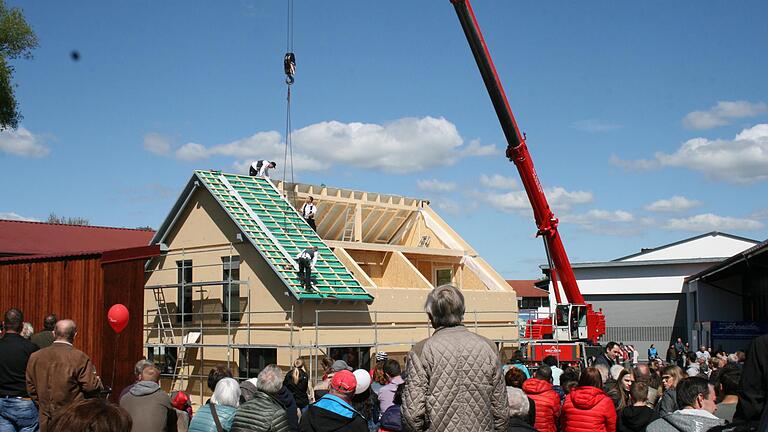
x,y
647,121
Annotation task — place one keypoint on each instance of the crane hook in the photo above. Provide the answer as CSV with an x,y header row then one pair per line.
x,y
289,66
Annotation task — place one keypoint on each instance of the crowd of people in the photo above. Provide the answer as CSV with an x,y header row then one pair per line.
x,y
451,381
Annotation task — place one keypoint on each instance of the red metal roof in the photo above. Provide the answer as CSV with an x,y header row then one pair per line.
x,y
527,288
110,256
38,238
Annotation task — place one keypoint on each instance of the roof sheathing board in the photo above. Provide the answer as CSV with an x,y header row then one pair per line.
x,y
288,234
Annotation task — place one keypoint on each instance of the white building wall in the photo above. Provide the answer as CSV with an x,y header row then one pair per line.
x,y
713,246
651,279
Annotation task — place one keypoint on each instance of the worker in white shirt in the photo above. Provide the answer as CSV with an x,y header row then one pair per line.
x,y
261,168
308,212
307,260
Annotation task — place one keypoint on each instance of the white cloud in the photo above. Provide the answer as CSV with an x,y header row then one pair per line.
x,y
596,215
675,204
157,144
609,222
402,146
192,151
712,222
474,148
761,214
635,165
16,216
452,207
22,142
594,125
517,201
498,181
741,160
722,113
561,199
435,185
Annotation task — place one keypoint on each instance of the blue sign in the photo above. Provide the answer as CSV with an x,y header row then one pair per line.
x,y
738,329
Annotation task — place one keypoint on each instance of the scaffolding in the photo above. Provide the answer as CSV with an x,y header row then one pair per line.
x,y
220,321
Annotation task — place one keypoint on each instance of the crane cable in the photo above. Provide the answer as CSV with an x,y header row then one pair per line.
x,y
289,67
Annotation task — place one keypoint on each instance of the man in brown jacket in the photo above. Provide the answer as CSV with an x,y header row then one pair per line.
x,y
453,379
60,374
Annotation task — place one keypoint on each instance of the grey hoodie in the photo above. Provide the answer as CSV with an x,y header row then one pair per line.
x,y
143,388
150,408
688,420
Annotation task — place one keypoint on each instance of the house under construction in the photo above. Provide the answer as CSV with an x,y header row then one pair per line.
x,y
225,290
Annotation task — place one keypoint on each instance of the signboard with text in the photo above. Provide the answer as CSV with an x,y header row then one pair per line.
x,y
737,329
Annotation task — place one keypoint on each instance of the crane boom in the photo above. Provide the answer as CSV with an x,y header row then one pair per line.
x,y
517,152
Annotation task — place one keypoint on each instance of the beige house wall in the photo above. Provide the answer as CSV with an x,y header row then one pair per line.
x,y
394,321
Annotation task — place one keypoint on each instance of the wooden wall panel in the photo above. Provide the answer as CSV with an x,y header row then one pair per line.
x,y
82,289
123,283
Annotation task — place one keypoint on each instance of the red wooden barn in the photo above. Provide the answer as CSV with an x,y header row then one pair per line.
x,y
79,272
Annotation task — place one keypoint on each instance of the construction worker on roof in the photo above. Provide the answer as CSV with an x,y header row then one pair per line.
x,y
308,212
307,260
261,168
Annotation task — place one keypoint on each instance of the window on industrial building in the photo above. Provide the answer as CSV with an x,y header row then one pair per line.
x,y
164,357
532,302
253,360
443,276
231,291
184,291
356,357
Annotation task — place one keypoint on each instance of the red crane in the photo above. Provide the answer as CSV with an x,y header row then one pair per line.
x,y
574,319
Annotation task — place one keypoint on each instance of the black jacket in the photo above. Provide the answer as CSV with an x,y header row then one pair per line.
x,y
299,389
291,411
262,413
635,418
603,360
14,352
317,419
753,388
518,425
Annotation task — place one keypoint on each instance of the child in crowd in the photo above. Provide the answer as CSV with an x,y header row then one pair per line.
x,y
638,416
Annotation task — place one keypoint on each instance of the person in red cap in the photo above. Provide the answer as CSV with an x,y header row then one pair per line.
x,y
334,411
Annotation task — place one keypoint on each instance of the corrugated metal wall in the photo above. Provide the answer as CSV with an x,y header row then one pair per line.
x,y
643,319
82,289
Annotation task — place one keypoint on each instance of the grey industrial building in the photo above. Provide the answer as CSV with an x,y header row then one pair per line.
x,y
679,290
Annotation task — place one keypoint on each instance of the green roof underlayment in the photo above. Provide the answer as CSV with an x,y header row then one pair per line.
x,y
279,233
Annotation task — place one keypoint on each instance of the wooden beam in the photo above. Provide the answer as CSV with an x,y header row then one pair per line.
x,y
358,234
391,202
394,248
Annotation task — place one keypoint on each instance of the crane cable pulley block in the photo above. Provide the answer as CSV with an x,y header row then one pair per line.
x,y
289,65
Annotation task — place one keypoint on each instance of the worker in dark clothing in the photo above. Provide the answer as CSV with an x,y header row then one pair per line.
x,y
307,260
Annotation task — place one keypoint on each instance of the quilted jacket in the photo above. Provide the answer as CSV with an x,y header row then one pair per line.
x,y
547,404
454,383
262,413
588,409
203,419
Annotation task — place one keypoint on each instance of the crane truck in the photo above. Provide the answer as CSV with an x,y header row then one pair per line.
x,y
575,324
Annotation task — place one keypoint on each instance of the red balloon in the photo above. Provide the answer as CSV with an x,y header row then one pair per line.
x,y
118,317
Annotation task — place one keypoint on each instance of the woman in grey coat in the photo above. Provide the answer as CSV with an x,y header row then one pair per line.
x,y
454,380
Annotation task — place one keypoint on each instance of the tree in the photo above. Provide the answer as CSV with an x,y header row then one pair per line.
x,y
16,41
55,219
